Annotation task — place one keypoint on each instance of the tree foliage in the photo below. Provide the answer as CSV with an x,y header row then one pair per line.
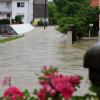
x,y
74,13
18,19
53,13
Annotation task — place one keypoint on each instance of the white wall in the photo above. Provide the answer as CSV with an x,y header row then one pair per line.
x,y
5,7
20,10
27,10
3,16
30,10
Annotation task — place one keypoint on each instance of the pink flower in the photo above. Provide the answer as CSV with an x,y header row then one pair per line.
x,y
54,84
52,92
42,95
6,81
45,67
75,80
13,93
62,85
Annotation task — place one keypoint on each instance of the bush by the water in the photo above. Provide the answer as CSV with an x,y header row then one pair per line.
x,y
76,13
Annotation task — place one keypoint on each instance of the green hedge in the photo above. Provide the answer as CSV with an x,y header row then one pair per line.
x,y
4,21
40,23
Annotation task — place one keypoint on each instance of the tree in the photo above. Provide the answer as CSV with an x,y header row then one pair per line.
x,y
53,13
75,15
91,15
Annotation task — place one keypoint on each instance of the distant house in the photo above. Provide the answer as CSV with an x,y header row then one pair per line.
x,y
39,10
11,8
95,3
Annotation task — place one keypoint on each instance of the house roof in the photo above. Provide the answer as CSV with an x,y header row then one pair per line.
x,y
95,3
5,0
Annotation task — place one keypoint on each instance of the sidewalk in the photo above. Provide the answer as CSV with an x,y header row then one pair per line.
x,y
2,37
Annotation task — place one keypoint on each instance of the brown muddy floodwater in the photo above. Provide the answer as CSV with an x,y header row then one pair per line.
x,y
22,59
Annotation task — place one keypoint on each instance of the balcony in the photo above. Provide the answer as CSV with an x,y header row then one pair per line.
x,y
5,10
5,7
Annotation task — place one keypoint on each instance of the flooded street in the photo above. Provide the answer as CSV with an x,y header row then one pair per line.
x,y
22,59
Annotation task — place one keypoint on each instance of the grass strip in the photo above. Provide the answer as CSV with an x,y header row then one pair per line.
x,y
10,39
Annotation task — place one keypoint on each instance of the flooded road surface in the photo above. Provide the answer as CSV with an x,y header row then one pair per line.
x,y
22,59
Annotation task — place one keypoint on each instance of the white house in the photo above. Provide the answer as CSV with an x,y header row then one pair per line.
x,y
11,8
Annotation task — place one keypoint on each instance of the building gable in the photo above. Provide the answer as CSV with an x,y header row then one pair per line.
x,y
39,9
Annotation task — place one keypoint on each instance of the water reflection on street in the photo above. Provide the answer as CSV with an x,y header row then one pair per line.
x,y
22,59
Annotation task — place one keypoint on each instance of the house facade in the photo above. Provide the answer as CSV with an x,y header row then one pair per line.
x,y
11,8
40,8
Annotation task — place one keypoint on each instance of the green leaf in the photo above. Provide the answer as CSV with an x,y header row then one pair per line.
x,y
26,93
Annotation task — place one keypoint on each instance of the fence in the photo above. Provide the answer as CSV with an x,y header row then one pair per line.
x,y
7,30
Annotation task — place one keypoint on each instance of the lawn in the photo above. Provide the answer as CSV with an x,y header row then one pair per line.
x,y
10,39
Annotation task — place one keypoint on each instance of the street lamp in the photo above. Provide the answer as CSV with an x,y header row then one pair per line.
x,y
90,26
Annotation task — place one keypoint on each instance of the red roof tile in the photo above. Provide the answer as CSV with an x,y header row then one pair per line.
x,y
94,3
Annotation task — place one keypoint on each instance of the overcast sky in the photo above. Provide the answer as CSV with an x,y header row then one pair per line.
x,y
49,0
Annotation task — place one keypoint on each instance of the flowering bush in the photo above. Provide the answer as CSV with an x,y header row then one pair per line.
x,y
13,93
54,86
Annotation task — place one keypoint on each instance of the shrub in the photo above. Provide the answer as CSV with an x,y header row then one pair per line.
x,y
18,19
4,21
13,21
40,23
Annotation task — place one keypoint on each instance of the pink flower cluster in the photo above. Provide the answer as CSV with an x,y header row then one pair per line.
x,y
65,85
55,85
13,93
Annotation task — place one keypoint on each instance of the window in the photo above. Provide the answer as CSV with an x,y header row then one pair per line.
x,y
20,4
8,16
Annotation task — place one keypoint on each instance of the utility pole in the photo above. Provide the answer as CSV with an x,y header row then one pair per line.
x,y
99,22
45,14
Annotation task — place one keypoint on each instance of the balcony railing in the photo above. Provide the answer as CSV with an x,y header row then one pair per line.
x,y
5,10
